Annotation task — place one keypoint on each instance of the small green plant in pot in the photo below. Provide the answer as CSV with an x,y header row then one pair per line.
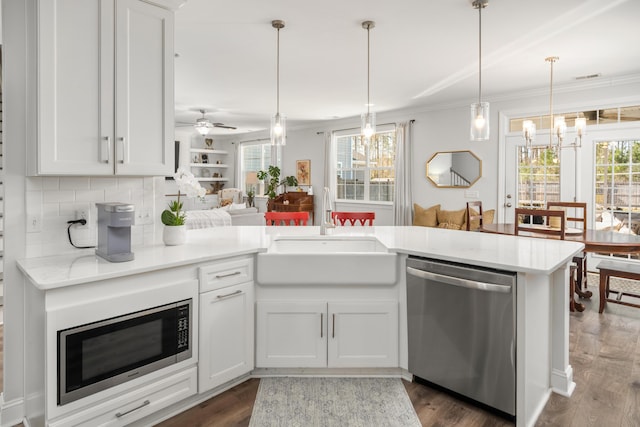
x,y
289,181
271,177
188,186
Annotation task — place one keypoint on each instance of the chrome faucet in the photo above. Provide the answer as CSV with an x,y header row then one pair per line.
x,y
327,221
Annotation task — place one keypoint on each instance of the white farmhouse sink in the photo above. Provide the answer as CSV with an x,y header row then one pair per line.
x,y
326,260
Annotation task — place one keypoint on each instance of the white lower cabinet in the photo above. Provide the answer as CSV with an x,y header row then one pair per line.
x,y
134,405
226,327
310,334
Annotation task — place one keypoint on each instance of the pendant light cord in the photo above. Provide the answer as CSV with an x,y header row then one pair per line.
x,y
480,7
551,60
368,67
278,74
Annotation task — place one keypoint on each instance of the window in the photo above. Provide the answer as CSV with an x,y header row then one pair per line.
x,y
538,176
253,156
365,172
617,197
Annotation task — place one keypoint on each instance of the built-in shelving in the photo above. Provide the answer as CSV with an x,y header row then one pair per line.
x,y
208,165
208,151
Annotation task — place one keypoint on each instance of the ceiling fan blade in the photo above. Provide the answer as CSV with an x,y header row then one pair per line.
x,y
220,125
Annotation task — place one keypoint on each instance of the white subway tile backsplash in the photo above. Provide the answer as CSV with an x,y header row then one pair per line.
x,y
74,183
103,183
90,195
58,196
50,183
58,200
117,195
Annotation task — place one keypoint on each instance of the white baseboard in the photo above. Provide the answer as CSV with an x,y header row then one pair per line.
x,y
12,413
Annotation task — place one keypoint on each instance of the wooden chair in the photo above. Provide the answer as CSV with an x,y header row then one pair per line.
x,y
548,231
537,229
473,217
286,218
578,220
352,217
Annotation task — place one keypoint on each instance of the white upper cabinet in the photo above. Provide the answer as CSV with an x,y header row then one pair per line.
x,y
105,88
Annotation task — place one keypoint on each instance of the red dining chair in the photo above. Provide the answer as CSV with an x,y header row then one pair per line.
x,y
352,217
286,218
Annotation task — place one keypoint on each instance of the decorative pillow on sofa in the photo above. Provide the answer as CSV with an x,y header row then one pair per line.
x,y
450,226
225,202
487,218
452,217
425,217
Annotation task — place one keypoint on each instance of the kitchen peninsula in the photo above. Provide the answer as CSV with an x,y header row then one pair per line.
x,y
71,286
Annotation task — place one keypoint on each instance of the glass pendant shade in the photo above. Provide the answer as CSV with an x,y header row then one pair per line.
x,y
581,126
368,127
559,128
278,130
480,121
529,131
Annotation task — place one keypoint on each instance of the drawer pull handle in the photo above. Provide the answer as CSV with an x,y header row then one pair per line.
x,y
232,294
222,276
122,414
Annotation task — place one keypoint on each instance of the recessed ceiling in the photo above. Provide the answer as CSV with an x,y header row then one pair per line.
x,y
422,53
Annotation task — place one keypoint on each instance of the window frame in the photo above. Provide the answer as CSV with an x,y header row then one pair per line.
x,y
367,169
275,153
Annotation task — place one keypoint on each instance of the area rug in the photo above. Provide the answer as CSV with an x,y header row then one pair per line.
x,y
332,402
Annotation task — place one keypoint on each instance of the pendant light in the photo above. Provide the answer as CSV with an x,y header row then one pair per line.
x,y
278,122
368,127
557,125
480,110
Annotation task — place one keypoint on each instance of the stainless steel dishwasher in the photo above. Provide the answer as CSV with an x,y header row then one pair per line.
x,y
461,324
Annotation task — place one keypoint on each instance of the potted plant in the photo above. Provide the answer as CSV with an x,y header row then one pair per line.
x,y
271,177
289,181
250,195
175,232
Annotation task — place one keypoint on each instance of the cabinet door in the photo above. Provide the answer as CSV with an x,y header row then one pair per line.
x,y
291,334
226,335
75,88
144,89
363,334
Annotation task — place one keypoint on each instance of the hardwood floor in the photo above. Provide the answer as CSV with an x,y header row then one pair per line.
x,y
604,353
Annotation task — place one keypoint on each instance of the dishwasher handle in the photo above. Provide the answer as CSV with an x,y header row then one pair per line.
x,y
456,281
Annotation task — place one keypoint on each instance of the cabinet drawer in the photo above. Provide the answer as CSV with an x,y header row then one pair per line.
x,y
226,273
137,404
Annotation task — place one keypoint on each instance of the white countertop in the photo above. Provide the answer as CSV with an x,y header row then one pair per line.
x,y
521,254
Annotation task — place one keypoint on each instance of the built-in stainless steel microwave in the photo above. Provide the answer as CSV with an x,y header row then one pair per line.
x,y
99,355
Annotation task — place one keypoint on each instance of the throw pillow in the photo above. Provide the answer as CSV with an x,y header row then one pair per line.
x,y
452,217
425,217
225,202
487,218
450,226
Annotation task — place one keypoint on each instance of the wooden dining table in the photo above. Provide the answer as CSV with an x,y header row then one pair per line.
x,y
595,241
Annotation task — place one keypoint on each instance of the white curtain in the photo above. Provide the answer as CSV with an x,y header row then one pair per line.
x,y
329,163
402,205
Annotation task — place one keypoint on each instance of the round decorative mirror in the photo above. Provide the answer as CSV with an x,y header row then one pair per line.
x,y
454,169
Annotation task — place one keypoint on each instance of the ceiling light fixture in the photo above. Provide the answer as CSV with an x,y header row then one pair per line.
x,y
368,128
557,125
278,122
529,132
203,125
480,110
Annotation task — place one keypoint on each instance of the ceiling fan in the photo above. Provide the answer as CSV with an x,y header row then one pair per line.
x,y
203,125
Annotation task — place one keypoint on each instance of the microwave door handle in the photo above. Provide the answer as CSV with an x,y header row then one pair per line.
x,y
456,281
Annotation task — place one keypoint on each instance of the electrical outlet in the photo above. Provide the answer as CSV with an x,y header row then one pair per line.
x,y
83,214
34,223
144,217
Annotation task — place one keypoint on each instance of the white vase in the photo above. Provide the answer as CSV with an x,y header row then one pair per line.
x,y
173,235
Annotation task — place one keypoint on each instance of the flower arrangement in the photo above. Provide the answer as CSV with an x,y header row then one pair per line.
x,y
188,185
